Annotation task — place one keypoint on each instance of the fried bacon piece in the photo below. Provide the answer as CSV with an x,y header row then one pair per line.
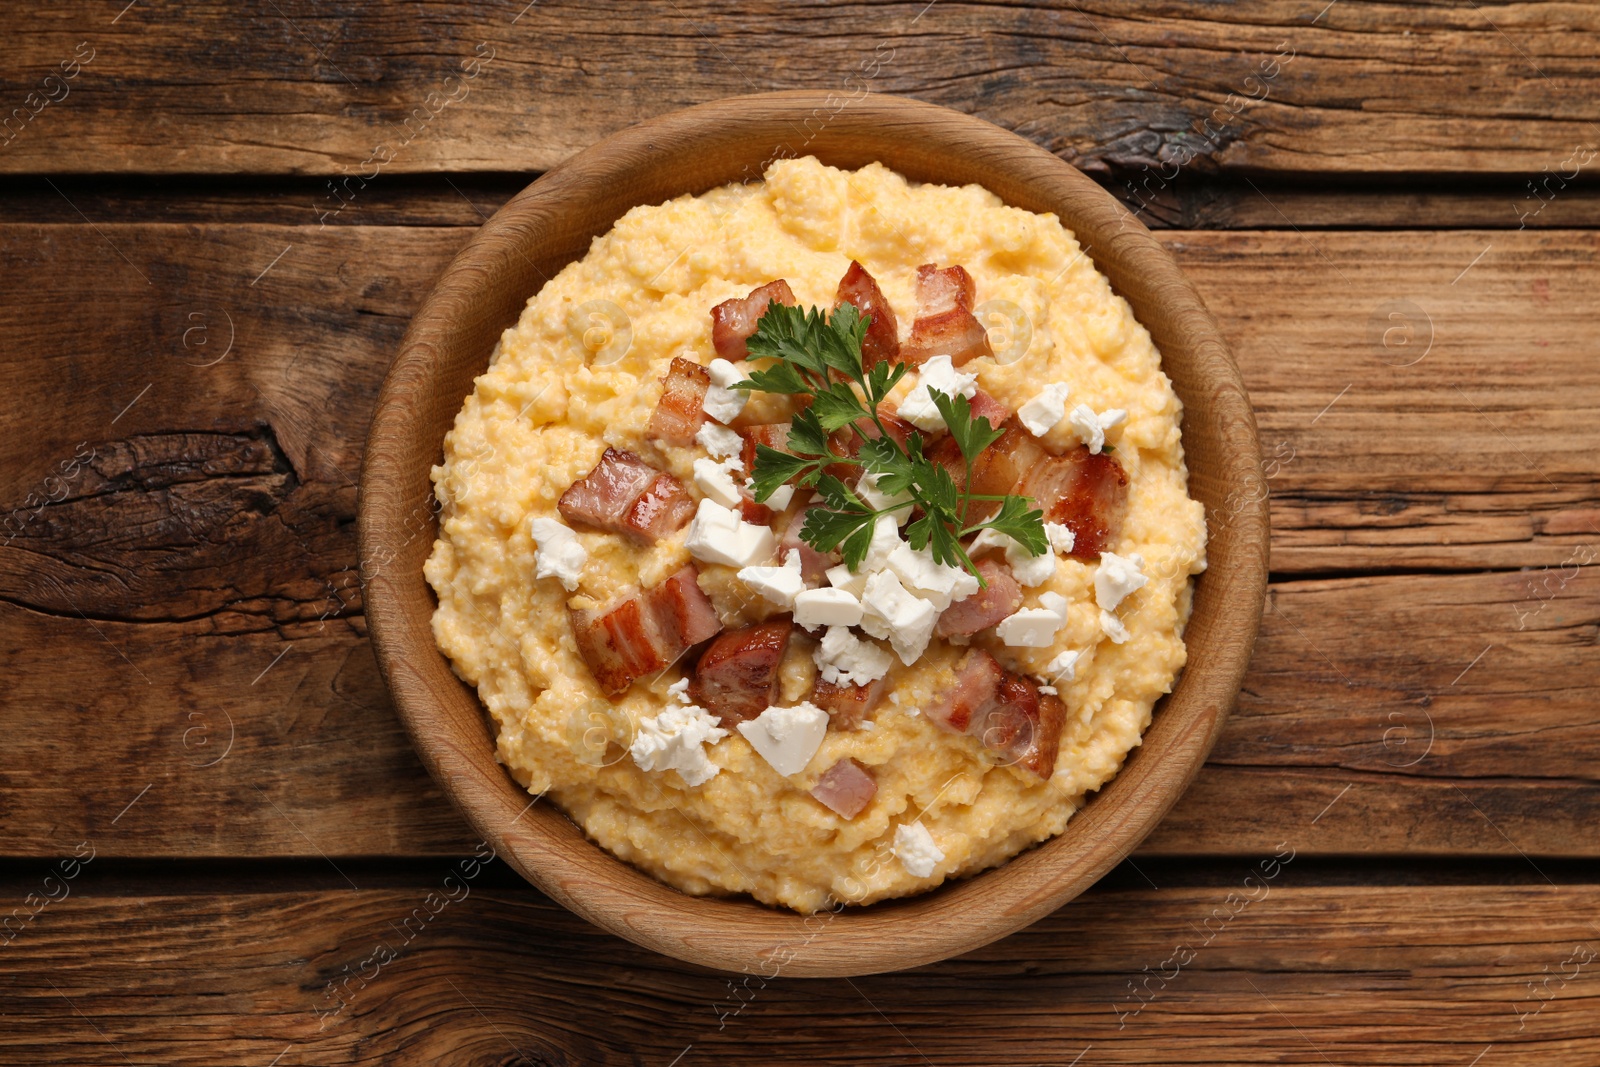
x,y
882,342
995,471
945,325
845,441
680,412
968,700
626,495
733,321
985,406
1024,727
1013,721
772,434
986,607
737,676
847,705
643,632
813,564
682,613
846,788
1084,491
752,512
842,442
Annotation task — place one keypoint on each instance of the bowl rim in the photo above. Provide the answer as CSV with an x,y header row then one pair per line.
x,y
738,934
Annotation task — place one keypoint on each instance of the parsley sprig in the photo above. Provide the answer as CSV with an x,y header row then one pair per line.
x,y
819,356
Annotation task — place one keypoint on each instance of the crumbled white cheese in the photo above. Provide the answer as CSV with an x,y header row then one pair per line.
x,y
1028,628
722,401
1064,668
558,553
720,441
780,496
1048,689
718,535
842,577
826,607
1029,570
1091,428
1045,409
914,848
778,584
845,659
939,584
787,738
889,611
1113,627
885,539
679,690
867,490
1116,577
672,740
715,482
936,373
1062,539
988,538
1034,627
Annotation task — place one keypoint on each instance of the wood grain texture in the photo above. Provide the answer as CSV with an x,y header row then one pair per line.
x,y
210,537
1424,402
204,573
287,86
1386,975
1359,683
1458,462
1192,201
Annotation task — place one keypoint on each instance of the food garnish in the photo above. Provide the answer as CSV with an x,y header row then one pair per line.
x,y
817,357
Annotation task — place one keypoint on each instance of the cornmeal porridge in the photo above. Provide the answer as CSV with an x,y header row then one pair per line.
x,y
850,562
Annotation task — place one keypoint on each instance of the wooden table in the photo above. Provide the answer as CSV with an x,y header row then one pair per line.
x,y
221,848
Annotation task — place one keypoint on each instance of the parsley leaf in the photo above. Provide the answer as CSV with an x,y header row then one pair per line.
x,y
840,341
818,354
838,495
891,468
826,529
806,435
792,336
774,468
781,378
881,379
932,484
1019,520
838,406
971,435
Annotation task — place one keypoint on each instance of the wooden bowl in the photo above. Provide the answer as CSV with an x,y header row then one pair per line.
x,y
550,224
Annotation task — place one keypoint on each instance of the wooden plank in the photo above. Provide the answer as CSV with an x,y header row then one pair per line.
x,y
192,594
1258,971
1410,714
1241,202
195,580
1191,202
1425,400
1479,454
1407,714
292,87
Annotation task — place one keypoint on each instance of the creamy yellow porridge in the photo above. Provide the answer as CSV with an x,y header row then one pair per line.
x,y
736,711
